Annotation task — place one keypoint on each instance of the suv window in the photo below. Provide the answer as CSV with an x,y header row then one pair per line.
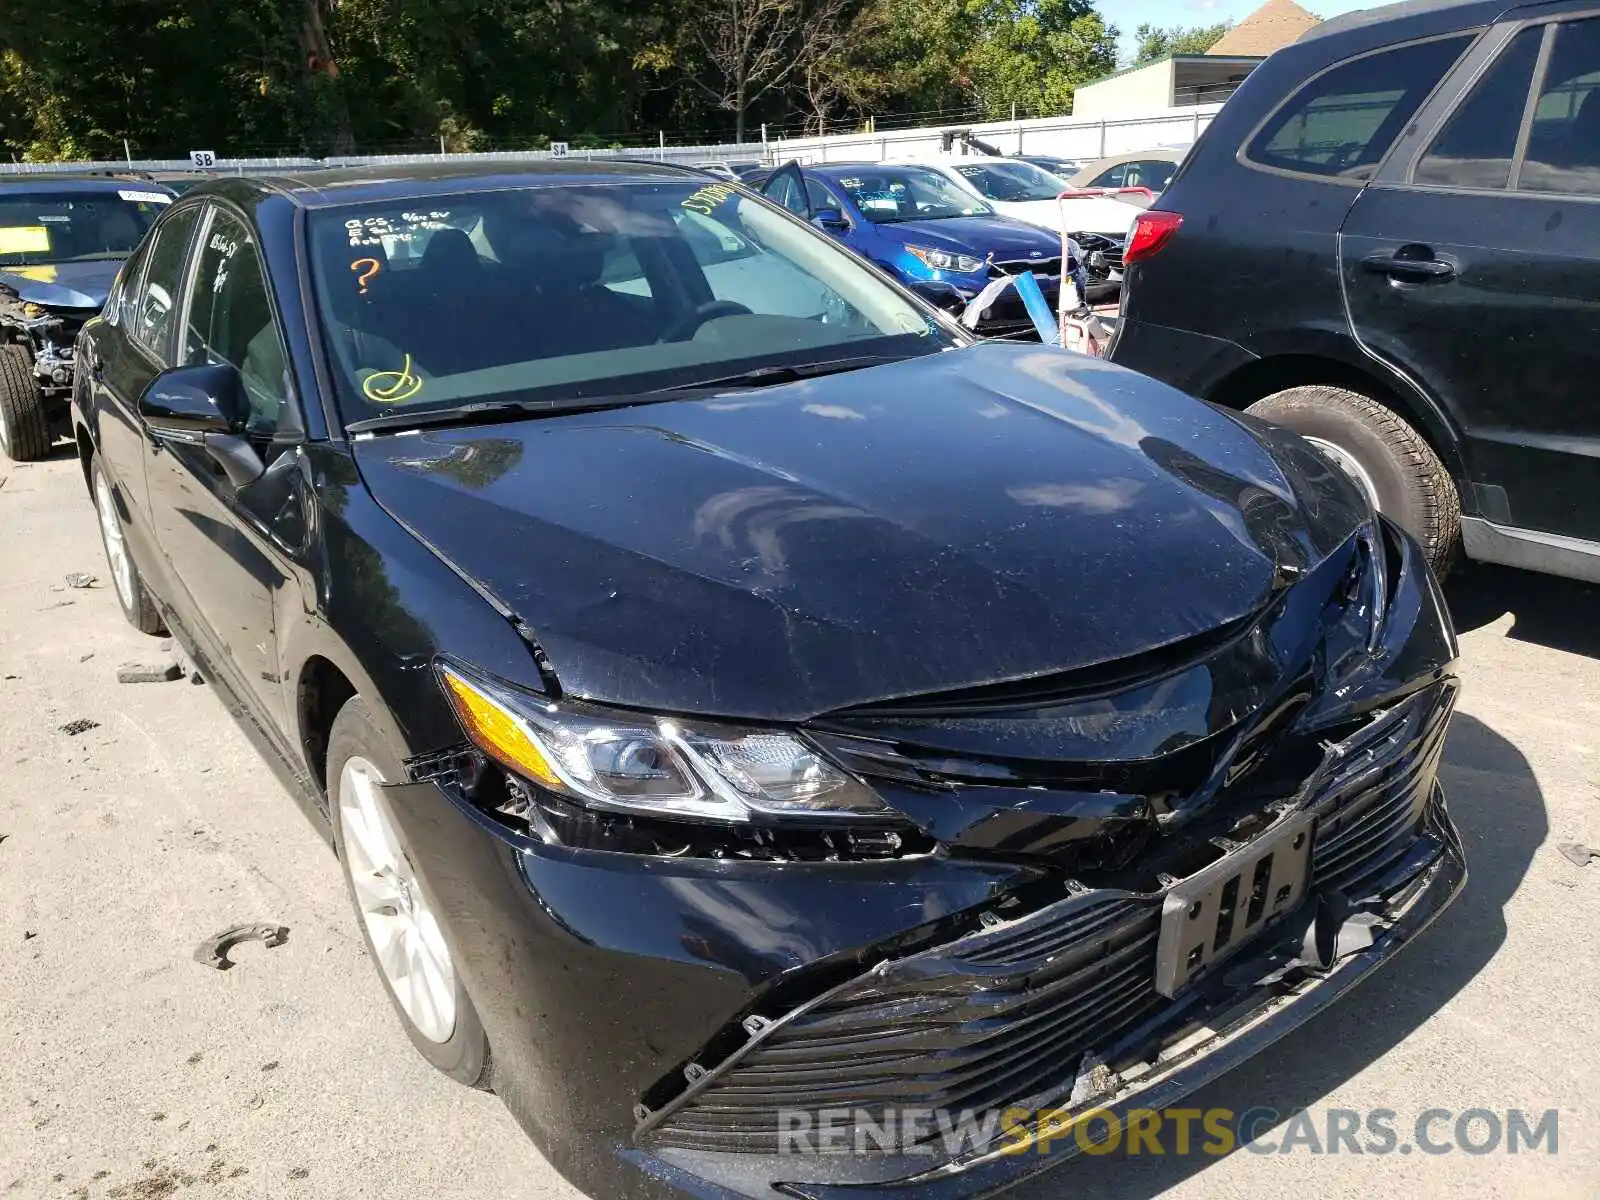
x,y
1477,144
230,321
1564,144
1344,121
158,294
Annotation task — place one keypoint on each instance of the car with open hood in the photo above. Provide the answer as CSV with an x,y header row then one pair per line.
x,y
62,241
735,705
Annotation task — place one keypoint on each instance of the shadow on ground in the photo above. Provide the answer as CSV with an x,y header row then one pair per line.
x,y
1500,811
1558,613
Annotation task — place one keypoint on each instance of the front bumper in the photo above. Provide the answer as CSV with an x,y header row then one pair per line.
x,y
618,990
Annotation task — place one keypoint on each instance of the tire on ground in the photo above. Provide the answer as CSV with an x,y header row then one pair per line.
x,y
1414,489
465,1056
24,427
142,613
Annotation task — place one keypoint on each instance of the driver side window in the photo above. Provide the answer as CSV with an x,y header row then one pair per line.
x,y
231,321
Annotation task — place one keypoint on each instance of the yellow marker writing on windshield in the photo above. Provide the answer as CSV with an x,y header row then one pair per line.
x,y
391,387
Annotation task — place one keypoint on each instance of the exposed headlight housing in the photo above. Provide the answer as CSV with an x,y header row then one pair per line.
x,y
655,765
944,260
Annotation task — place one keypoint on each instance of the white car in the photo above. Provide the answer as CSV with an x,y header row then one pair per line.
x,y
1019,189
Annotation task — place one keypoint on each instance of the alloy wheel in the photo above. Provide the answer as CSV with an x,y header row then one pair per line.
x,y
116,545
404,931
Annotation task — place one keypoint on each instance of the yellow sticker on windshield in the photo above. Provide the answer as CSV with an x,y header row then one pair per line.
x,y
705,200
392,387
24,239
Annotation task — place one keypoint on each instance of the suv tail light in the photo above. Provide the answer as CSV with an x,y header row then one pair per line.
x,y
1152,230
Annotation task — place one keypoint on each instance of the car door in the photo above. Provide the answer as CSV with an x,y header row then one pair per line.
x,y
1472,264
126,353
787,186
220,540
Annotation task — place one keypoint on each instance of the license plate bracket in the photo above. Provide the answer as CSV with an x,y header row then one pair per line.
x,y
1209,916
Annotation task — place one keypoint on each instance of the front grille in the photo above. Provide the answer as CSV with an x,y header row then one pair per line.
x,y
1039,266
1004,1015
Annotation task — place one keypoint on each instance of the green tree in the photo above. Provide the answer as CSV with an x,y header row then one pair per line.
x,y
1034,53
1152,44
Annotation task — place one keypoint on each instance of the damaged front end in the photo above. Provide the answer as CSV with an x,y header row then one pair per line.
x,y
46,335
1082,891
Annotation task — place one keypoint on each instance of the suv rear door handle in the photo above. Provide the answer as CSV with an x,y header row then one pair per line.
x,y
1413,268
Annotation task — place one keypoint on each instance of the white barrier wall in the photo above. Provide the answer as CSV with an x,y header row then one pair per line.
x,y
1066,137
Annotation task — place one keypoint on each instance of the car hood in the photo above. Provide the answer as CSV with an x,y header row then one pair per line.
x,y
1110,218
82,285
990,514
1002,237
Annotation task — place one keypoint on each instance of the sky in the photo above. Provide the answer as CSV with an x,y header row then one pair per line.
x,y
1128,15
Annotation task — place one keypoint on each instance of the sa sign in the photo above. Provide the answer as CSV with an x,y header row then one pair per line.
x,y
558,149
203,159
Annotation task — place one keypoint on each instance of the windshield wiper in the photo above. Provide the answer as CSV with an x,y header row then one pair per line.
x,y
769,376
488,411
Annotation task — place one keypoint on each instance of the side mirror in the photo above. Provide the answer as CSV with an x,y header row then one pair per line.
x,y
204,406
186,403
829,220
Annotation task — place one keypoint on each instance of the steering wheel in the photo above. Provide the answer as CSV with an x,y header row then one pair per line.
x,y
685,326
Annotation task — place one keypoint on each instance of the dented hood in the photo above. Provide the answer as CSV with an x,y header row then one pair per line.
x,y
68,285
988,514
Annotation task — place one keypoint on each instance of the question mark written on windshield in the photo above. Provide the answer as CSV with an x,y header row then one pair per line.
x,y
372,265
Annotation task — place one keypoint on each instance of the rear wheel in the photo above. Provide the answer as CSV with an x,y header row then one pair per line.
x,y
1385,457
398,914
24,427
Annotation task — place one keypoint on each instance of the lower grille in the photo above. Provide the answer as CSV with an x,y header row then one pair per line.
x,y
1005,1015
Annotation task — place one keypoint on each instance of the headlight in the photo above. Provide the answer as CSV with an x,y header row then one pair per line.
x,y
661,766
943,260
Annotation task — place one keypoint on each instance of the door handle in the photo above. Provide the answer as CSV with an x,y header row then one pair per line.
x,y
1408,268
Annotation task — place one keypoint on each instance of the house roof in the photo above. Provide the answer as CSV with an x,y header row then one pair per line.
x,y
1274,25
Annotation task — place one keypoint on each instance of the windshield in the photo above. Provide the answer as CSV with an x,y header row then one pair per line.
x,y
889,194
1011,182
577,292
53,227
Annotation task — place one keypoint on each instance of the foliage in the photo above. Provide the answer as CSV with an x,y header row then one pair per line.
x,y
1152,44
261,77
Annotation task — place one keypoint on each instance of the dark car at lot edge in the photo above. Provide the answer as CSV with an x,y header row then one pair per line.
x,y
62,241
725,709
1389,240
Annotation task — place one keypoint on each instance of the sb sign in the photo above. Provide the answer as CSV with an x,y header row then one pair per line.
x,y
203,160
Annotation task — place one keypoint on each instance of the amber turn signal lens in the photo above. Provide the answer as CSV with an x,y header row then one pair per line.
x,y
496,731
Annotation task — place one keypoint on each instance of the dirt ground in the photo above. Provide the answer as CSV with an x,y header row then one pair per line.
x,y
129,1071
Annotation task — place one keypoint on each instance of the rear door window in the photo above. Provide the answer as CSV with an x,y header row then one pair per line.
x,y
1564,143
1343,122
1477,145
158,294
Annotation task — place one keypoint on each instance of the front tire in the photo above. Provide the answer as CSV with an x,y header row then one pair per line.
x,y
394,905
138,606
24,425
1384,456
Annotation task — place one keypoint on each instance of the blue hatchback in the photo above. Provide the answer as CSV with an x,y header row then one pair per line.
x,y
922,229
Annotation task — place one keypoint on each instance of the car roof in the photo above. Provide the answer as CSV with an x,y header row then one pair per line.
x,y
355,185
1471,12
88,184
1161,154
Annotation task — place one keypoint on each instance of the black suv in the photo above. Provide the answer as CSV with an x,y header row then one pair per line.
x,y
1389,241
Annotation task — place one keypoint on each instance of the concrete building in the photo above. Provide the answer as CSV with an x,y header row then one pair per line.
x,y
1187,79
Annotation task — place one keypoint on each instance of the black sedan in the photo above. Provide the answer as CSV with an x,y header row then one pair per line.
x,y
749,714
